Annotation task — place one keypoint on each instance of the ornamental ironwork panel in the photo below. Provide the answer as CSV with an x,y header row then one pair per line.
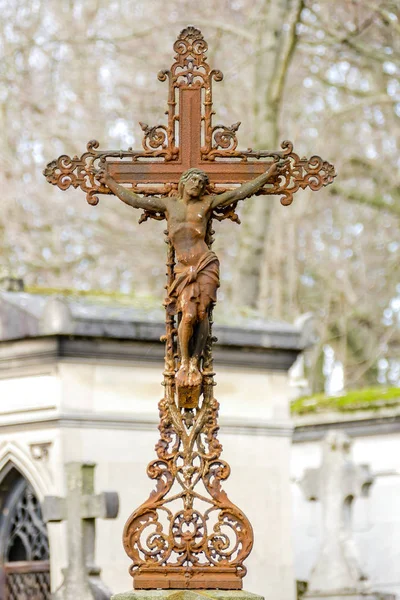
x,y
25,552
28,581
28,539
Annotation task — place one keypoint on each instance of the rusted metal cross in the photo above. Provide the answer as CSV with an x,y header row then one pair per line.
x,y
178,537
188,140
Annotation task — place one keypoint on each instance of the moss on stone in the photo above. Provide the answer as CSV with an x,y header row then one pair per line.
x,y
354,400
98,296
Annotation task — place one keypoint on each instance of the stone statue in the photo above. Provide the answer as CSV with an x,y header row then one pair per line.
x,y
336,484
197,270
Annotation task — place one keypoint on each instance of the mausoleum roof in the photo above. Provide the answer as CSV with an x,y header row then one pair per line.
x,y
42,328
25,315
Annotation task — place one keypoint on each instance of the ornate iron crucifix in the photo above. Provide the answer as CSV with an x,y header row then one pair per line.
x,y
188,534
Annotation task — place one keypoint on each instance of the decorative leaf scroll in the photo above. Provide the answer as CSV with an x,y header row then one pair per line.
x,y
154,137
77,172
160,536
299,173
224,137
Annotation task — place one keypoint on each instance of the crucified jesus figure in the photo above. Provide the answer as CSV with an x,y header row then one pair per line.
x,y
196,281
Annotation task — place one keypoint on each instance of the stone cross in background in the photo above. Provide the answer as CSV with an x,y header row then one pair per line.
x,y
80,508
336,483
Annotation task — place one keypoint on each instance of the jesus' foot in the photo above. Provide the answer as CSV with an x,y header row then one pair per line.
x,y
194,365
189,374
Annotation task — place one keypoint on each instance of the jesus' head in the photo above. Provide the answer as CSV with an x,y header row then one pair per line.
x,y
195,179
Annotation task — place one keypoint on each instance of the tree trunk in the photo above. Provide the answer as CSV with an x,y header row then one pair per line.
x,y
275,38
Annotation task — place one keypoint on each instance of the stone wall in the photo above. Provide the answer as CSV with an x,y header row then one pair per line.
x,y
106,413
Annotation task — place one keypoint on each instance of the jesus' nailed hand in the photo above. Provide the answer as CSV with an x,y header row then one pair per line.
x,y
196,280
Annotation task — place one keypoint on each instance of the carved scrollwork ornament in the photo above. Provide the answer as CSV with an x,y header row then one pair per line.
x,y
160,539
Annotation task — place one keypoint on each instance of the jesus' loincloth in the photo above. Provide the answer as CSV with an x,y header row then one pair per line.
x,y
197,284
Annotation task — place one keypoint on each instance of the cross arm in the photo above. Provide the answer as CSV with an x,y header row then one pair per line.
x,y
293,173
100,506
130,166
357,480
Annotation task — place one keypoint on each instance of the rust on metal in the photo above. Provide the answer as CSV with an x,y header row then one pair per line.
x,y
188,534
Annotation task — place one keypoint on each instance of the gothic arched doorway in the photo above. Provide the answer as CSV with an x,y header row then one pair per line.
x,y
24,545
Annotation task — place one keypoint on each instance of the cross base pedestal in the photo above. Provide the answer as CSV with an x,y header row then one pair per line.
x,y
186,595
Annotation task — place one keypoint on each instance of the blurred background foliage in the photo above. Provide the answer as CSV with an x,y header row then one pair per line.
x,y
324,75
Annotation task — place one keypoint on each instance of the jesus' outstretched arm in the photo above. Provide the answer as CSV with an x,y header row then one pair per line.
x,y
246,189
152,203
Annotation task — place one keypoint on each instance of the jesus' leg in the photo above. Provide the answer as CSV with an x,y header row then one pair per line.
x,y
200,338
185,332
187,376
